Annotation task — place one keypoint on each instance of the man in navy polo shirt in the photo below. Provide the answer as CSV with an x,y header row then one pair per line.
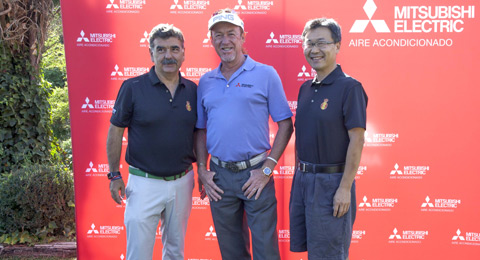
x,y
329,128
159,110
234,104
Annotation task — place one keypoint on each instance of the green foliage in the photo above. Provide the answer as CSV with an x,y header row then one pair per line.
x,y
36,204
53,60
25,134
61,125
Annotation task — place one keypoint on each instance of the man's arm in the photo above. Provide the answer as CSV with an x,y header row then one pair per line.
x,y
258,179
342,198
205,177
114,151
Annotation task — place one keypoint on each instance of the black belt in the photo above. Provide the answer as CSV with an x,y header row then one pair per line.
x,y
240,165
318,168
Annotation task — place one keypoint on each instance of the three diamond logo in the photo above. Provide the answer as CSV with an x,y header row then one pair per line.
x,y
272,39
82,37
359,26
240,6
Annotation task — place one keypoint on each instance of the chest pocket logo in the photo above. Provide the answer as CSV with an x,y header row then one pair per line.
x,y
324,104
188,106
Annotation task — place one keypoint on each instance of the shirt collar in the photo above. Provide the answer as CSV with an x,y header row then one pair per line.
x,y
155,80
248,64
337,72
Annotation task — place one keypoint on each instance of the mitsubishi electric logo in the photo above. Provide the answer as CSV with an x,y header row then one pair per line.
x,y
87,104
305,75
194,73
415,21
144,40
112,5
293,106
95,39
470,238
361,171
116,72
408,236
357,235
439,205
97,170
125,6
284,41
198,203
189,7
92,230
427,203
98,106
91,168
104,231
82,37
211,235
380,139
127,72
377,204
359,26
303,72
409,172
286,172
176,5
458,236
272,39
253,7
284,235
240,6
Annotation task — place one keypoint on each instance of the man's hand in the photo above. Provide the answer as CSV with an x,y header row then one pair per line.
x,y
115,187
255,183
341,202
211,189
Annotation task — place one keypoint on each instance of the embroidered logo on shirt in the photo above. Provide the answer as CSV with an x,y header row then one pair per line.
x,y
188,106
243,85
324,105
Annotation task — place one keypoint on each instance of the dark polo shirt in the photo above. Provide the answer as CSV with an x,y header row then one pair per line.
x,y
160,129
325,113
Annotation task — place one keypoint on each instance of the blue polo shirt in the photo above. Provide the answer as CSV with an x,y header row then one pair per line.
x,y
235,112
325,112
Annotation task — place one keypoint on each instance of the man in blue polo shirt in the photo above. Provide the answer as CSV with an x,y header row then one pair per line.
x,y
329,128
234,104
159,110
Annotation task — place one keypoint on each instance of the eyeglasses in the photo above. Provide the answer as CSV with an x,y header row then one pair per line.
x,y
319,44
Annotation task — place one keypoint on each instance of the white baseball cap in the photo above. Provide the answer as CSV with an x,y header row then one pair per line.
x,y
225,17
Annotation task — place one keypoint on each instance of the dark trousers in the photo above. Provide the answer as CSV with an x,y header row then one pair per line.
x,y
234,214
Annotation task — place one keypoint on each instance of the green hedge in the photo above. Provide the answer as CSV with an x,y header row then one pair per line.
x,y
36,204
25,134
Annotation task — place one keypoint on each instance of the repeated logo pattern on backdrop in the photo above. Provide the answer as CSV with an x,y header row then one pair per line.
x,y
417,60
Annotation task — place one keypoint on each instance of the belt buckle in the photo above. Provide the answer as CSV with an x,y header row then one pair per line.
x,y
303,167
232,167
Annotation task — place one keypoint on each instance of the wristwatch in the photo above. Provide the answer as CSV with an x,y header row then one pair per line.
x,y
267,171
112,175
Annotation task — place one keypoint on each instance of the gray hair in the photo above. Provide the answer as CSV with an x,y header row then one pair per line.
x,y
165,31
328,23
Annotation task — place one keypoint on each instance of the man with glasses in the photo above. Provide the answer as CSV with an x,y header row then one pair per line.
x,y
330,126
234,104
159,109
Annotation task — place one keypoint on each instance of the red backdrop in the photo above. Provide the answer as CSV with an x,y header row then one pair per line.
x,y
417,59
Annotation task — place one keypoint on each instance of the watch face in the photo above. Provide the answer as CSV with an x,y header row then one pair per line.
x,y
267,171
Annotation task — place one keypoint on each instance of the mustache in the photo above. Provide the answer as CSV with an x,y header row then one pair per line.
x,y
169,61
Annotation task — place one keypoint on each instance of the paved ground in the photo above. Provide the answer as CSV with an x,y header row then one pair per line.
x,y
57,249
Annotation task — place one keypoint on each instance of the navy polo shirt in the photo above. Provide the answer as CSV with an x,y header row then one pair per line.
x,y
325,113
160,128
